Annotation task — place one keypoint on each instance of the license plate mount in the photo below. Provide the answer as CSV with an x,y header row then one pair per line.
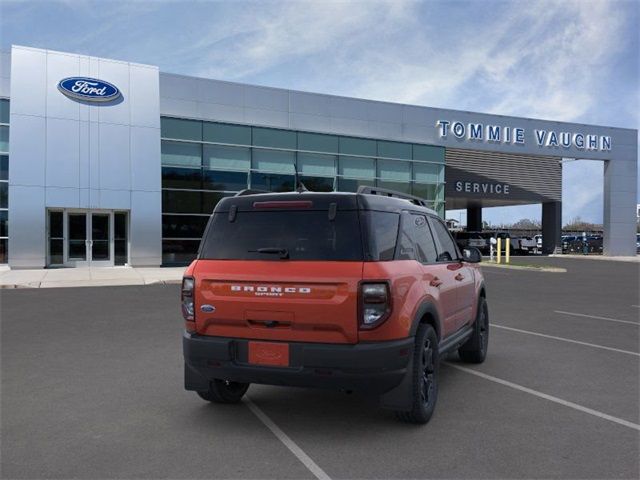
x,y
269,354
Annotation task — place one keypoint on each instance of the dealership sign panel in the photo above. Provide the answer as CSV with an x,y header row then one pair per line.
x,y
500,134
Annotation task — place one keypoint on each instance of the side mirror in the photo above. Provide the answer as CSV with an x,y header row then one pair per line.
x,y
471,255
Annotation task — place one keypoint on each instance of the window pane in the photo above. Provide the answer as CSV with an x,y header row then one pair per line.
x,y
382,228
4,167
229,181
272,182
273,161
56,225
306,235
183,226
55,252
357,167
173,177
426,248
4,139
428,153
224,133
317,184
77,236
394,150
4,194
227,158
271,137
120,226
427,172
120,251
120,243
211,199
316,164
349,185
4,223
401,187
175,201
317,142
179,251
4,111
4,255
181,129
448,251
358,146
426,191
391,170
178,153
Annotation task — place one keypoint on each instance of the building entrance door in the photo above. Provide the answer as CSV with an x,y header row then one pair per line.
x,y
83,238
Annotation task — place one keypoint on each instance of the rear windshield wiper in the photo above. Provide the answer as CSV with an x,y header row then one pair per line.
x,y
283,252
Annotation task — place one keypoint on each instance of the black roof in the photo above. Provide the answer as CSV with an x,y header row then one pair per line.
x,y
322,201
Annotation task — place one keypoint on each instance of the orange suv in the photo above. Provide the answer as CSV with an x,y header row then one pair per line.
x,y
353,291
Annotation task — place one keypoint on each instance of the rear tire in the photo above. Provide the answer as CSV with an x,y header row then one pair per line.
x,y
426,360
222,391
474,350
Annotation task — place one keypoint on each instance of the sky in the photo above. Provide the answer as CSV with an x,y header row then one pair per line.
x,y
567,60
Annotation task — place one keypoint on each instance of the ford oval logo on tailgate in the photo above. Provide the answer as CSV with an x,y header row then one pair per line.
x,y
89,89
208,308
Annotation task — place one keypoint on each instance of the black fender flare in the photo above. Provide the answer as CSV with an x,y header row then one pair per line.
x,y
426,307
482,290
399,398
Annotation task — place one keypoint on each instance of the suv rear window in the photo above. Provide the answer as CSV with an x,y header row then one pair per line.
x,y
303,234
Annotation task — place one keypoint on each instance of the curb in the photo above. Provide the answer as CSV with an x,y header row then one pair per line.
x,y
522,267
63,284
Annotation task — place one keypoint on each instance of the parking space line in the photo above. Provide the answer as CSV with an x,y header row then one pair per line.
x,y
566,340
284,438
596,317
551,398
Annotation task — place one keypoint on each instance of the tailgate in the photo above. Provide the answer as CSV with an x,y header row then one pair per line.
x,y
301,301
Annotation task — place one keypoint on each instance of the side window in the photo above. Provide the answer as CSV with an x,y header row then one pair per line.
x,y
416,242
423,239
447,251
406,248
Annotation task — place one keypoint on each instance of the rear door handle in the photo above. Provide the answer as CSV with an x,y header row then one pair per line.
x,y
459,277
436,282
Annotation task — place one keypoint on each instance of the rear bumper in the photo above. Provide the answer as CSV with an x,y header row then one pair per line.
x,y
366,367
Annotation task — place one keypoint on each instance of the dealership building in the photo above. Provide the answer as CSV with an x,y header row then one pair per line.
x,y
106,162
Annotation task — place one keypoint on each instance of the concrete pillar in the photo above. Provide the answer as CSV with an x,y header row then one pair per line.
x,y
474,219
620,191
551,226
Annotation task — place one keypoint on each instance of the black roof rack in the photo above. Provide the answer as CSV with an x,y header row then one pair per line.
x,y
392,193
250,191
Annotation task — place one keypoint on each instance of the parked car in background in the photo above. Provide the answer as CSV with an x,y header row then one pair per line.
x,y
638,243
568,243
471,239
582,244
527,245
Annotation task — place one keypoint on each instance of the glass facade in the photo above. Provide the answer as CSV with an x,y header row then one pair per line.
x,y
4,180
203,162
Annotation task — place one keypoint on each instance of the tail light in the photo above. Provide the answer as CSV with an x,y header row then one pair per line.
x,y
187,298
375,304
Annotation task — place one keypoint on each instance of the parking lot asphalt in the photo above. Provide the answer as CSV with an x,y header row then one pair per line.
x,y
92,388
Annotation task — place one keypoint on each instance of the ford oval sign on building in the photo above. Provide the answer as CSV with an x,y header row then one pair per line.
x,y
88,89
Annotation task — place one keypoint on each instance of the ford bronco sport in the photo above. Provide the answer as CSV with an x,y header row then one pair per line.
x,y
353,291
